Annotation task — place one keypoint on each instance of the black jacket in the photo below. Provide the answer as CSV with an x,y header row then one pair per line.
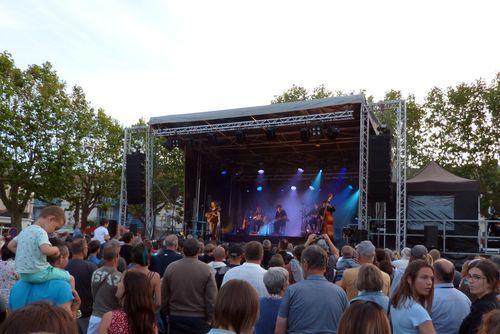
x,y
480,307
161,260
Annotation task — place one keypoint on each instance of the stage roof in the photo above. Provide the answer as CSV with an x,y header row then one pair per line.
x,y
277,108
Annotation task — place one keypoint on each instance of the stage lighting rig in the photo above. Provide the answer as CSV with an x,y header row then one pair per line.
x,y
333,132
304,135
316,130
171,143
240,136
270,133
212,139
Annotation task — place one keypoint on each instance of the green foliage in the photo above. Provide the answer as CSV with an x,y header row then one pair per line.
x,y
299,93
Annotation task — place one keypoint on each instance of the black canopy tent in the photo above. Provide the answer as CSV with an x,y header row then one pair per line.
x,y
435,196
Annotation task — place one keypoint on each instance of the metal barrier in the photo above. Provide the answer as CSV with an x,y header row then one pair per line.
x,y
378,228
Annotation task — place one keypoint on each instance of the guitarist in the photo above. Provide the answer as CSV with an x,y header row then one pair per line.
x,y
258,219
213,219
280,220
326,217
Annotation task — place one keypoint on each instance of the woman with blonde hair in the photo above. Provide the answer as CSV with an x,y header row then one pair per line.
x,y
236,308
410,306
370,284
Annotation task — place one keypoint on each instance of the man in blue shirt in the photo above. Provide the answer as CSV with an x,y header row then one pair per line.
x,y
449,306
56,291
313,305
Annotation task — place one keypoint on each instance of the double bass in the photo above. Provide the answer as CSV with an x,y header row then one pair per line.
x,y
327,218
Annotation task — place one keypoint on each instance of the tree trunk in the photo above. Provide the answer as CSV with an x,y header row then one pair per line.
x,y
16,217
76,214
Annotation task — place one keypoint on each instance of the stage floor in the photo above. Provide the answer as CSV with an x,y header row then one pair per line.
x,y
255,237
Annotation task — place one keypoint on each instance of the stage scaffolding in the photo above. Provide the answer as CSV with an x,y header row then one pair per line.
x,y
147,134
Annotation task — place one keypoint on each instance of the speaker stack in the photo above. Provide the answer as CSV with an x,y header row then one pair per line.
x,y
379,168
136,183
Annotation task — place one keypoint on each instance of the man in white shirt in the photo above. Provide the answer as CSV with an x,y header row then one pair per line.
x,y
402,263
101,233
250,271
219,255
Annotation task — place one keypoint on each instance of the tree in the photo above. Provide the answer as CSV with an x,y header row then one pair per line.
x,y
299,93
95,177
37,135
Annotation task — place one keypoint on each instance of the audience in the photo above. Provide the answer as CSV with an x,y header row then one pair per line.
x,y
8,274
277,261
417,252
208,252
313,305
345,262
104,286
40,317
250,271
268,253
93,249
366,255
126,248
283,250
483,277
101,233
82,272
137,313
236,309
402,263
140,258
369,284
166,255
411,304
449,305
490,323
363,317
294,268
188,292
383,261
276,282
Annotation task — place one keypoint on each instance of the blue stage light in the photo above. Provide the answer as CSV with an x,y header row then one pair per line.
x,y
260,171
311,188
293,188
259,188
349,187
223,172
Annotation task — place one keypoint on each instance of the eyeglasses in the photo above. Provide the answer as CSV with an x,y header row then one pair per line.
x,y
475,277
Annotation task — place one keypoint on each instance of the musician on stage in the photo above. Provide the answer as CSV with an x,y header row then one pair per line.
x,y
258,219
313,219
213,219
280,220
326,217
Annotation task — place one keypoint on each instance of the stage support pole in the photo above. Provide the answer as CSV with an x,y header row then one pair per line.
x,y
196,204
148,206
363,167
122,215
401,157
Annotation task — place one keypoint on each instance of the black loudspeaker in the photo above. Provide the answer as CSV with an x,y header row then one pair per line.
x,y
133,229
431,237
112,228
136,183
379,168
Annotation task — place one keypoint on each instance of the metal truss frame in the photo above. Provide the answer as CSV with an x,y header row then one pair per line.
x,y
256,124
399,106
364,133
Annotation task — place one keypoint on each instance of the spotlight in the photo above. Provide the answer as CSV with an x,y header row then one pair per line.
x,y
293,188
304,135
223,172
260,171
171,143
270,133
349,187
248,190
259,188
240,136
333,132
300,170
316,130
311,188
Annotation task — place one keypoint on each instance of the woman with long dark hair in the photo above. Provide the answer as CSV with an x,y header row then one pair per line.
x,y
141,257
137,315
410,306
364,316
483,276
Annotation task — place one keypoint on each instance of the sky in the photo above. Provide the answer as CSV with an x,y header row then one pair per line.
x,y
151,58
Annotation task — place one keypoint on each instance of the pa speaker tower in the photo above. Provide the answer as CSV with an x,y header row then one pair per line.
x,y
136,184
379,168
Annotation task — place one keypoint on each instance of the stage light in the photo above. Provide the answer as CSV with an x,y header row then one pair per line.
x,y
248,190
311,188
259,188
171,143
349,187
300,170
270,133
333,132
240,136
316,130
223,172
293,188
304,135
260,171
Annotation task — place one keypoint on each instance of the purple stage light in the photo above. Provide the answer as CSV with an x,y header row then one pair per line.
x,y
293,188
300,170
260,171
311,188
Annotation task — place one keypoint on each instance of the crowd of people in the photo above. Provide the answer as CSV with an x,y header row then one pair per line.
x,y
126,284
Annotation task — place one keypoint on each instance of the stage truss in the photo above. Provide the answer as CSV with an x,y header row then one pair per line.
x,y
398,106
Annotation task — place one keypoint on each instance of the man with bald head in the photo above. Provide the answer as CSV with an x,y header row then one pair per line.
x,y
167,255
450,306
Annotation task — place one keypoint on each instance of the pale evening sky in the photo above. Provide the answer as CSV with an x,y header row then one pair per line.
x,y
150,58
